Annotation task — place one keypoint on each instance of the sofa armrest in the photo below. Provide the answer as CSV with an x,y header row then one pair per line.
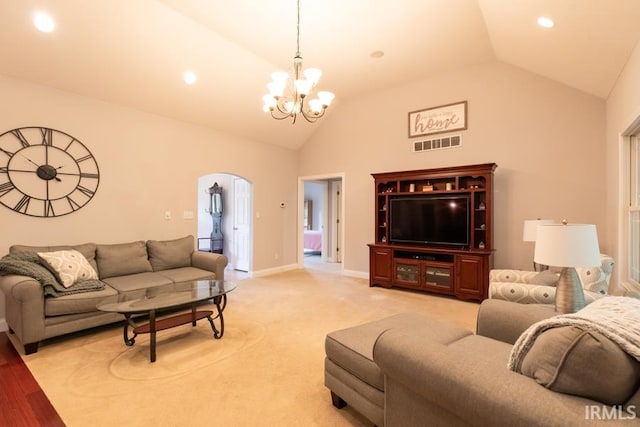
x,y
505,320
466,382
24,303
211,262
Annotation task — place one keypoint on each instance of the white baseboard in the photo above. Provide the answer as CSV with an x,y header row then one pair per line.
x,y
355,273
274,270
3,325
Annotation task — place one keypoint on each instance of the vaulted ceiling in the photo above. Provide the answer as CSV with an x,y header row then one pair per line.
x,y
134,52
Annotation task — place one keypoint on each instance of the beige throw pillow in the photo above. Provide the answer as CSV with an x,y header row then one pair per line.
x,y
583,363
69,266
545,278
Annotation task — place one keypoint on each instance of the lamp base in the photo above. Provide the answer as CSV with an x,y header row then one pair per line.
x,y
569,293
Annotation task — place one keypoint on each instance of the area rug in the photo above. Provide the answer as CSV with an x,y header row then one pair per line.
x,y
266,370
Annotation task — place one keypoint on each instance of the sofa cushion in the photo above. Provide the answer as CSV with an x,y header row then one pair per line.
x,y
69,266
186,274
86,249
167,254
583,363
122,259
84,302
133,282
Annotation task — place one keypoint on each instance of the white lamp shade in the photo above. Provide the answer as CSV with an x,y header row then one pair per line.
x,y
276,88
268,102
315,105
303,87
325,97
531,228
570,245
313,75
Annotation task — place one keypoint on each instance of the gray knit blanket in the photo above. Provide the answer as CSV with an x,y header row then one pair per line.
x,y
29,264
617,318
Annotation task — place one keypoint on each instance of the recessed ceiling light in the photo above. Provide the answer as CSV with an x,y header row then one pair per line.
x,y
545,22
44,22
189,77
377,54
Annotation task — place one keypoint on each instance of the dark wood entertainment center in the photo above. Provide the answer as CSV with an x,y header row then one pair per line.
x,y
461,270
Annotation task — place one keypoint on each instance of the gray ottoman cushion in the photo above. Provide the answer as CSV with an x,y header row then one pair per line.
x,y
352,348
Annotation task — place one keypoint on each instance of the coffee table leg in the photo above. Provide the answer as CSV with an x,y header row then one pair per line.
x,y
218,334
125,331
152,332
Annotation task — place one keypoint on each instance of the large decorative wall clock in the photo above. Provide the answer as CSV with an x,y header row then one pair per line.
x,y
45,172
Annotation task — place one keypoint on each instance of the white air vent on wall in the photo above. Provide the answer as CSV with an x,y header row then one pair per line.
x,y
437,143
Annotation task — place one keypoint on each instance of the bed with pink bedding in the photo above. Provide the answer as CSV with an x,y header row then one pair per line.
x,y
313,240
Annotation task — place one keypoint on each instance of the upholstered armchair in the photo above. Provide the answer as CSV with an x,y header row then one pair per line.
x,y
531,287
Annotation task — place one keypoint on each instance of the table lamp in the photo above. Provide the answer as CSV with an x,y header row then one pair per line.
x,y
568,246
529,232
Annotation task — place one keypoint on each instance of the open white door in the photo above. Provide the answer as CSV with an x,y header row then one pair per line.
x,y
242,224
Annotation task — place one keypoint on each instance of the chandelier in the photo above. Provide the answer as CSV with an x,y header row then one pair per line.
x,y
290,94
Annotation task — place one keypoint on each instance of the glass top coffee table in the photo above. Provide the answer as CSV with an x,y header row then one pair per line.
x,y
169,297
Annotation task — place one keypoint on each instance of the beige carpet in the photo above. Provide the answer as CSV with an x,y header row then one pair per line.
x,y
266,370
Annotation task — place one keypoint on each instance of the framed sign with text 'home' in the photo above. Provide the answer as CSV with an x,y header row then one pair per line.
x,y
441,119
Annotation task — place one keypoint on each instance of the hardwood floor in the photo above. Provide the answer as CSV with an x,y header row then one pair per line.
x,y
22,401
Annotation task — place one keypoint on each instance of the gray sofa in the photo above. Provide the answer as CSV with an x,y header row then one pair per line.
x,y
34,315
411,370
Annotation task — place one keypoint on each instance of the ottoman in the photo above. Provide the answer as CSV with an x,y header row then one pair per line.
x,y
349,370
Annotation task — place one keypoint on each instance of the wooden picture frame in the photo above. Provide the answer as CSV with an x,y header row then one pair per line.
x,y
440,119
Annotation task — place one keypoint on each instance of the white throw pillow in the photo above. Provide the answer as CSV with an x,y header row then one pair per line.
x,y
69,266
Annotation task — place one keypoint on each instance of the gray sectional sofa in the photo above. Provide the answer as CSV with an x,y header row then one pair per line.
x,y
412,370
35,312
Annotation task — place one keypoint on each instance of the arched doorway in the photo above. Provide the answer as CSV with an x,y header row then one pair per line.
x,y
234,216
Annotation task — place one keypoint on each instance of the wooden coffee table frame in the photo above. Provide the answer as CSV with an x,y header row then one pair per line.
x,y
154,325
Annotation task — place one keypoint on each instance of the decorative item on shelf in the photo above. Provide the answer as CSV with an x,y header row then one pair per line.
x,y
299,85
568,246
384,239
384,207
482,226
481,245
427,187
482,206
412,188
449,186
529,233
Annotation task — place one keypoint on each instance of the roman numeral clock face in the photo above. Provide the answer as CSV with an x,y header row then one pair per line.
x,y
45,172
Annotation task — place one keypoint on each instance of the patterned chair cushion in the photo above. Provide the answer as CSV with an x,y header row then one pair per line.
x,y
528,287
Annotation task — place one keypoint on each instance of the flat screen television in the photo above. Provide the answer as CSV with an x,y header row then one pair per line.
x,y
430,220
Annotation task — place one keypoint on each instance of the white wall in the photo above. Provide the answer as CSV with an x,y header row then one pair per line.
x,y
148,165
623,107
547,139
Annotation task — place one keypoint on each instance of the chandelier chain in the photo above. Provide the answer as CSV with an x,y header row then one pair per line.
x,y
298,32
